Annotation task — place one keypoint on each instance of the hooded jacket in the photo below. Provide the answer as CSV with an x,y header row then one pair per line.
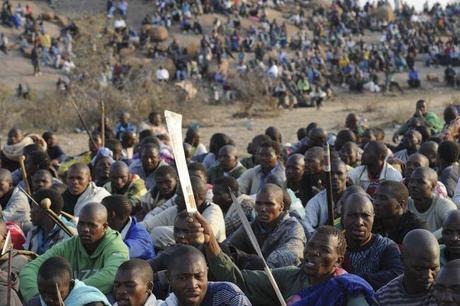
x,y
92,194
97,270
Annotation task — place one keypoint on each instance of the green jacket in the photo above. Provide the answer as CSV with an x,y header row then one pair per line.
x,y
97,270
255,284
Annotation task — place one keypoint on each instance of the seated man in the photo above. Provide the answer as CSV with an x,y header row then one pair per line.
x,y
101,170
222,197
445,289
295,169
188,277
349,155
268,156
392,219
56,274
281,237
94,255
45,233
124,183
253,146
160,225
451,237
319,270
418,160
42,179
420,258
134,234
15,204
316,210
371,256
148,164
133,284
424,203
165,188
81,190
410,144
374,169
447,165
313,178
228,164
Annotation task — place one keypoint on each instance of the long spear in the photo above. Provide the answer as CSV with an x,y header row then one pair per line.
x,y
330,197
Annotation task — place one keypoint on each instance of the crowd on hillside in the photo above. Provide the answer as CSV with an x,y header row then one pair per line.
x,y
341,218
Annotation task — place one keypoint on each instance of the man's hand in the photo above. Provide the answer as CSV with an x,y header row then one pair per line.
x,y
200,230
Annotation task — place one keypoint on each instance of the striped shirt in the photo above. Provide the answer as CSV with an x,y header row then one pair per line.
x,y
394,293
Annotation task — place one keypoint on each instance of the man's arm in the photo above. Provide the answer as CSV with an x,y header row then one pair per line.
x,y
244,181
389,268
312,214
290,252
104,278
152,221
28,275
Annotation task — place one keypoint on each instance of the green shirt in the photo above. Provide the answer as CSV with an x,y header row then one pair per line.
x,y
255,284
97,270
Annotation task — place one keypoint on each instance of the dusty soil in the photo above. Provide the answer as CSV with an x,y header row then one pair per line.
x,y
380,110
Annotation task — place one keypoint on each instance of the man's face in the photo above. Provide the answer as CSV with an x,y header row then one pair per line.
x,y
14,137
420,269
411,165
268,207
119,178
338,177
386,206
150,159
94,147
320,257
313,163
221,196
409,140
48,291
446,290
182,234
348,155
227,159
267,158
77,181
294,170
41,181
36,215
103,168
155,119
420,187
130,289
451,236
91,229
370,157
422,107
5,187
358,219
189,281
124,118
166,184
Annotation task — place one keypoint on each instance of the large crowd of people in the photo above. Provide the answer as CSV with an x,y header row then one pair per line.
x,y
384,231
341,217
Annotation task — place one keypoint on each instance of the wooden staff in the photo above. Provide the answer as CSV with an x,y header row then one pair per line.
x,y
24,173
330,197
45,205
103,122
10,279
82,121
68,216
61,301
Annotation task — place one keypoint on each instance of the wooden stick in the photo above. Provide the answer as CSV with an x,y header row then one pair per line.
x,y
68,216
61,301
24,173
330,197
252,238
72,100
103,122
10,280
45,205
